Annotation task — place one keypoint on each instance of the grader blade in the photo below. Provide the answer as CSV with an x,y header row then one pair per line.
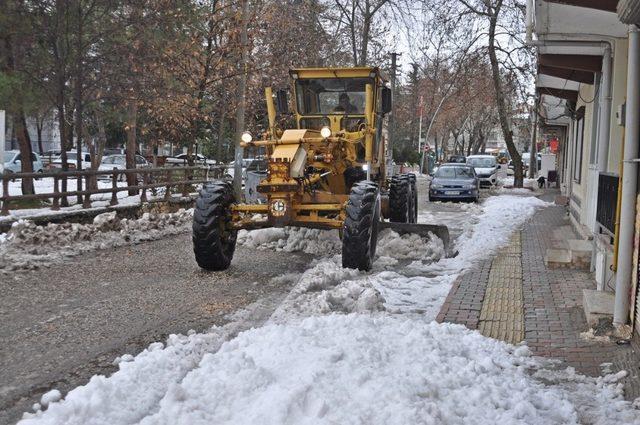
x,y
423,230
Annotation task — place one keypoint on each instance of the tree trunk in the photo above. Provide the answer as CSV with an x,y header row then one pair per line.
x,y
39,125
62,124
221,127
130,151
242,84
78,99
24,142
500,99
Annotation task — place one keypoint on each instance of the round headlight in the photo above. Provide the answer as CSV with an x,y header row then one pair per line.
x,y
246,137
325,132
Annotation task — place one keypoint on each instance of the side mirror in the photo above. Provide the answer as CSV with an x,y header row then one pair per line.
x,y
282,102
387,102
17,161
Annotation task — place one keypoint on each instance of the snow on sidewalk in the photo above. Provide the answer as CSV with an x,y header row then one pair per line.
x,y
353,347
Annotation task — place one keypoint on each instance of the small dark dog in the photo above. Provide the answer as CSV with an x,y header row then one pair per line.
x,y
541,181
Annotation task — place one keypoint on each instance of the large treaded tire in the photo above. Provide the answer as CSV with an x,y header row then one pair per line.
x,y
213,242
360,231
413,199
399,192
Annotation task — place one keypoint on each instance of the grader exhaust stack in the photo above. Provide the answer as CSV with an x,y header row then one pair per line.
x,y
329,172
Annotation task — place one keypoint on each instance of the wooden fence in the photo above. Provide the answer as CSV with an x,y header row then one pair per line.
x,y
180,178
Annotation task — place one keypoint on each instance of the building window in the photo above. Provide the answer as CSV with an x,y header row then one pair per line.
x,y
578,145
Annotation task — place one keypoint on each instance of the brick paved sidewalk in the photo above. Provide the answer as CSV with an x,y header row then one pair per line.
x,y
514,296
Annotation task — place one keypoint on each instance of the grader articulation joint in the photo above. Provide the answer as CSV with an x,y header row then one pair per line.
x,y
330,172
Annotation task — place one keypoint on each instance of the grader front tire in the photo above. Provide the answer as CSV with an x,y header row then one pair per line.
x,y
360,231
213,242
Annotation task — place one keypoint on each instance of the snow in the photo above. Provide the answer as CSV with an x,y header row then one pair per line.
x,y
50,397
346,346
29,246
292,239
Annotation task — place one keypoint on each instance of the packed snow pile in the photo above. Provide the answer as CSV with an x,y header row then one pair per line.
x,y
292,239
373,369
327,287
29,246
409,246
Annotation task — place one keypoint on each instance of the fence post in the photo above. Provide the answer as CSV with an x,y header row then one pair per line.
x,y
5,195
56,194
143,196
167,192
114,187
184,186
86,203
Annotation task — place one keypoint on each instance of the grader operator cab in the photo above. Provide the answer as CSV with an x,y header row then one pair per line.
x,y
330,172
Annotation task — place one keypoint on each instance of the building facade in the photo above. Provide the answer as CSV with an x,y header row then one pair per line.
x,y
587,90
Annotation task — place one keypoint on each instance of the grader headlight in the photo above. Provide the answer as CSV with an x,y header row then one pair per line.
x,y
325,132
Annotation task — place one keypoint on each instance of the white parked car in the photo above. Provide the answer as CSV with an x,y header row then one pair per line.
x,y
72,157
182,159
110,162
486,168
13,162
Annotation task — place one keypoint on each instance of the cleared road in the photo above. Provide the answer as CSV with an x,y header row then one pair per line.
x,y
63,324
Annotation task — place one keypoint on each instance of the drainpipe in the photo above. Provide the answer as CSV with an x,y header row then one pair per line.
x,y
529,22
605,110
629,181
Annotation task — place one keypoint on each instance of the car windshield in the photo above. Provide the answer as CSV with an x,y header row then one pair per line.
x,y
454,173
482,162
323,96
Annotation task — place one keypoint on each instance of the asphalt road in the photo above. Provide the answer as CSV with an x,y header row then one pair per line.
x,y
63,324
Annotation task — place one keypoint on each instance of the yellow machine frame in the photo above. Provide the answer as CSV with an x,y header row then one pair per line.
x,y
317,199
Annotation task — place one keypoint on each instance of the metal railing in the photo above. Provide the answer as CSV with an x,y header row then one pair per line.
x,y
607,201
147,179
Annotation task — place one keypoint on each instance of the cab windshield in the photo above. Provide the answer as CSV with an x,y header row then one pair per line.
x,y
325,96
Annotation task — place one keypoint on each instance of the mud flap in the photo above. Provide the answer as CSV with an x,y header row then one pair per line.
x,y
423,230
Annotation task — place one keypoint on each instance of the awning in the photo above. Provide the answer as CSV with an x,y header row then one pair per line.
x,y
608,5
629,11
567,74
587,63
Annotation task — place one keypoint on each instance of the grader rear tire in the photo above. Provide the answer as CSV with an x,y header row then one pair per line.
x,y
399,195
213,242
413,200
360,231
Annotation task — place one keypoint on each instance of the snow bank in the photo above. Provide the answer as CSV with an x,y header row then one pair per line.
x,y
292,239
29,246
141,382
354,369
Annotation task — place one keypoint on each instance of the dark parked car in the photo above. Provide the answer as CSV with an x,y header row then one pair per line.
x,y
458,159
454,182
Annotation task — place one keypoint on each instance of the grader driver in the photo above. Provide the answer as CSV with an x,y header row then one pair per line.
x,y
329,172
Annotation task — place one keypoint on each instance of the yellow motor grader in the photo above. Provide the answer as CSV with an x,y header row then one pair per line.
x,y
330,172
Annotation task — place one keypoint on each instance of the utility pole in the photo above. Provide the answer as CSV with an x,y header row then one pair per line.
x,y
2,136
242,84
394,57
533,158
421,148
